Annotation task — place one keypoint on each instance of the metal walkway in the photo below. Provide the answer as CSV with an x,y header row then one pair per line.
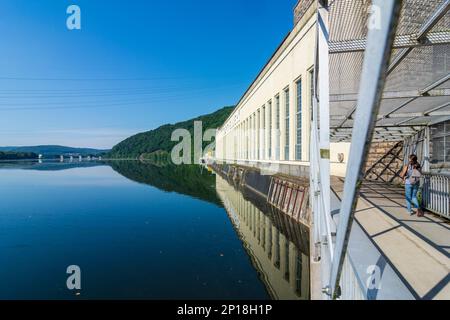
x,y
417,248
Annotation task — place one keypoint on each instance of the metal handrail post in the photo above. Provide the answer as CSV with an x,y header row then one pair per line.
x,y
324,111
314,164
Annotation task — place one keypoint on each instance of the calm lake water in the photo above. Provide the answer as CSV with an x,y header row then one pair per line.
x,y
143,231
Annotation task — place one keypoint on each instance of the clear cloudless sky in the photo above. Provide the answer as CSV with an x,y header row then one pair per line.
x,y
133,66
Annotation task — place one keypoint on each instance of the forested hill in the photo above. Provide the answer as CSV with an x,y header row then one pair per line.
x,y
159,140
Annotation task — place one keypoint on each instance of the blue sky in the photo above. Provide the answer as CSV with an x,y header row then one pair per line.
x,y
133,66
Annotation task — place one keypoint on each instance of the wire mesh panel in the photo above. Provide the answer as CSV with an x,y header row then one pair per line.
x,y
417,89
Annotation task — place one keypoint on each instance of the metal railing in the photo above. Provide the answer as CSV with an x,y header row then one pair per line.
x,y
323,234
351,288
436,193
331,241
324,227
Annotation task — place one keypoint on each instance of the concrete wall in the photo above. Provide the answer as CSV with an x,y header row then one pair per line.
x,y
339,153
387,169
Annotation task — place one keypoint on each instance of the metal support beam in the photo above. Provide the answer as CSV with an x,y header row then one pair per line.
x,y
422,114
435,109
376,60
407,94
405,41
405,121
420,93
435,84
430,113
423,92
382,127
431,22
398,58
412,115
348,116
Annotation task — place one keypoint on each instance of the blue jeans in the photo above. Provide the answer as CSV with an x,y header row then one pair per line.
x,y
411,195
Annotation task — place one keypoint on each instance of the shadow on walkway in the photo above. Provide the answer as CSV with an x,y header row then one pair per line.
x,y
417,247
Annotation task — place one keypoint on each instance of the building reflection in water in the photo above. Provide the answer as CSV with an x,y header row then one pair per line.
x,y
277,245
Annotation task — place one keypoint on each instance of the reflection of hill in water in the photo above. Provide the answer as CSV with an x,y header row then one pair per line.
x,y
191,180
47,165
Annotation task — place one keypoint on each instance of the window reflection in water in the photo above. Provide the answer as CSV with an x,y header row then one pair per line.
x,y
277,245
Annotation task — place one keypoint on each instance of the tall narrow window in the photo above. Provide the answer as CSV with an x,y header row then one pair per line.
x,y
246,139
298,138
252,140
277,128
235,145
254,136
277,250
241,140
286,108
311,92
224,147
299,269
239,146
269,242
258,142
249,138
263,133
269,114
287,264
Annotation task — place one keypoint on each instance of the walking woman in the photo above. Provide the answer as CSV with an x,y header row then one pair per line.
x,y
411,174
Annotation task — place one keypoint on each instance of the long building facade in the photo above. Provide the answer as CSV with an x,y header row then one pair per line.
x,y
272,121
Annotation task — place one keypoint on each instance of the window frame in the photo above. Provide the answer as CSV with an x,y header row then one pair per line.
x,y
298,119
287,105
